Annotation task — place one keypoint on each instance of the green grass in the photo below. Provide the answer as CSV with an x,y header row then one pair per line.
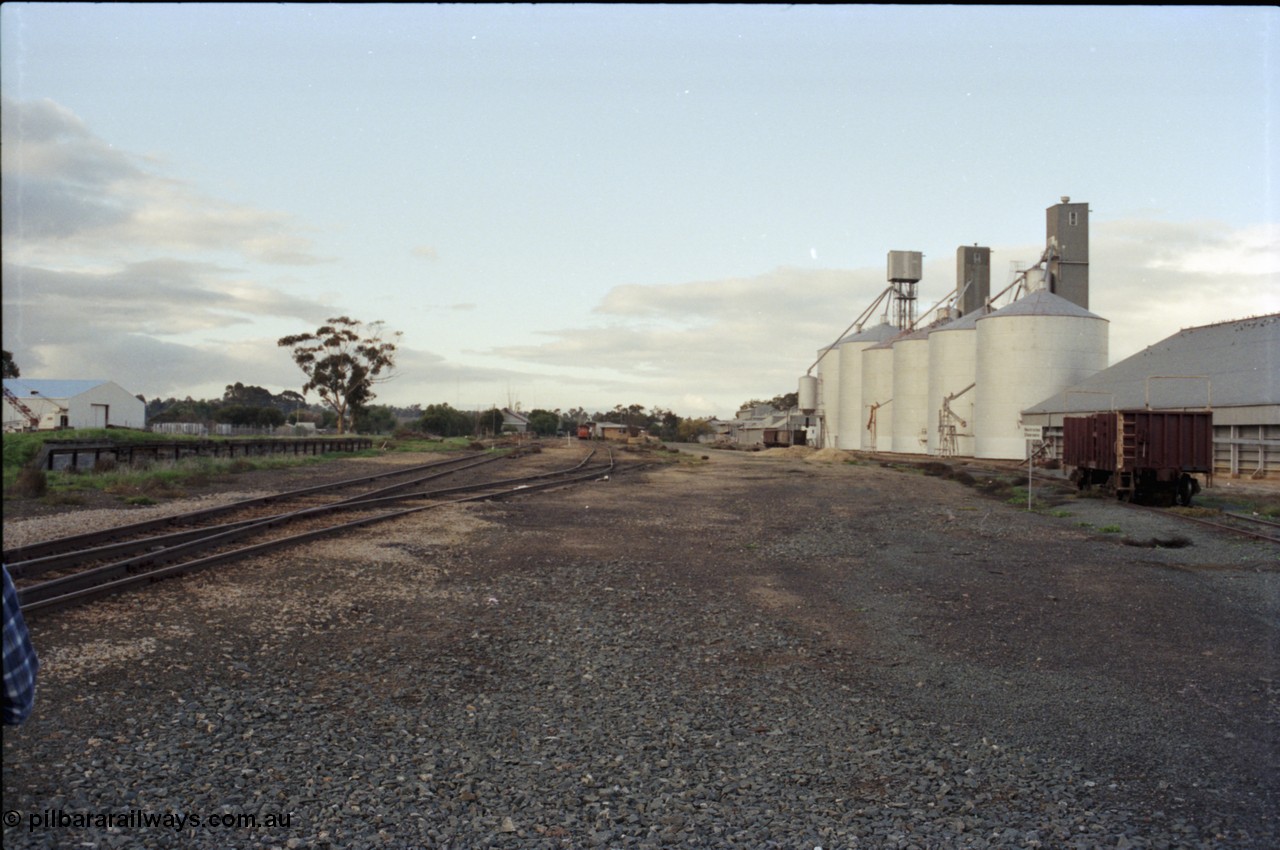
x,y
1110,529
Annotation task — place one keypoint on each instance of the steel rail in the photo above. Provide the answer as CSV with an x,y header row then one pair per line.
x,y
1209,523
1254,519
90,585
32,551
192,538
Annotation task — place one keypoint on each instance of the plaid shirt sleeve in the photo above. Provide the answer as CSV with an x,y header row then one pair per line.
x,y
20,662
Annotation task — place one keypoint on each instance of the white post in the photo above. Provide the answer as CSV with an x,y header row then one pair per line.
x,y
1033,436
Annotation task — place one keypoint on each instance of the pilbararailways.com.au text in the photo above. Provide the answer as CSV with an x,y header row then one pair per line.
x,y
138,819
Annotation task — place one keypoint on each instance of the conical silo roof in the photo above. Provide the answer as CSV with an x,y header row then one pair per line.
x,y
1042,302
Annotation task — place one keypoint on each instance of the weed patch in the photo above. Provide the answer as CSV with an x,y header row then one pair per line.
x,y
30,483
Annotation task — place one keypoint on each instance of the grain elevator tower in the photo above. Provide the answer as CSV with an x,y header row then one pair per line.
x,y
1067,235
973,278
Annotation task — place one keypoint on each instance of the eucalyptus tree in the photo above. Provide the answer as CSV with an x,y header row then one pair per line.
x,y
343,360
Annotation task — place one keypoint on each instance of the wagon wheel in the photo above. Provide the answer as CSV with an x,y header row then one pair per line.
x,y
1187,488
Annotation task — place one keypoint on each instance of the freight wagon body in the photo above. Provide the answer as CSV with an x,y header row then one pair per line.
x,y
783,438
1147,456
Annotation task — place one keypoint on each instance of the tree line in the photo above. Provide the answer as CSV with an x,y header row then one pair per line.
x,y
254,406
344,359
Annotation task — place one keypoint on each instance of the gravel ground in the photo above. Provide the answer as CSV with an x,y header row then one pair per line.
x,y
751,651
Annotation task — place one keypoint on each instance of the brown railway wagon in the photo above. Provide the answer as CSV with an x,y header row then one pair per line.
x,y
1146,456
782,438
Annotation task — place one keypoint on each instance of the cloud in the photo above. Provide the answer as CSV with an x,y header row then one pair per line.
x,y
425,252
161,297
125,324
1152,279
69,194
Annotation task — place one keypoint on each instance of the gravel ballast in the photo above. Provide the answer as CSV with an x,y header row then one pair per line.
x,y
747,651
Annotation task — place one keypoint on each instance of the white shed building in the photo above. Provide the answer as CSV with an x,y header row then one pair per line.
x,y
70,404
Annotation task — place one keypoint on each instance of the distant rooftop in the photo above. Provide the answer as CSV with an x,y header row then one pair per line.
x,y
54,389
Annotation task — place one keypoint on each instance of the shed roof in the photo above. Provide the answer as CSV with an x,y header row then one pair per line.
x,y
1231,364
51,389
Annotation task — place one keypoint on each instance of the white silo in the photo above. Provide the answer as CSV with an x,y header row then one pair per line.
x,y
876,411
852,418
953,370
828,369
1036,347
911,392
807,394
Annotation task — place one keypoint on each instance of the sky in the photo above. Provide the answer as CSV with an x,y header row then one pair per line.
x,y
562,206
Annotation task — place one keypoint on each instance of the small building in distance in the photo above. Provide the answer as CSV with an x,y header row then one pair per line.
x,y
1231,368
514,421
46,405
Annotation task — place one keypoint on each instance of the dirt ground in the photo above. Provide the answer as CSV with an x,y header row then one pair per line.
x,y
1157,667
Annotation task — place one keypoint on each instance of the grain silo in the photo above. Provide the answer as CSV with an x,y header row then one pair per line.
x,y
829,393
1035,347
911,392
953,369
852,415
876,408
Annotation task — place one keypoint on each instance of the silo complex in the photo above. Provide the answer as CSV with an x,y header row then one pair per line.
x,y
1039,345
953,367
911,392
852,414
876,412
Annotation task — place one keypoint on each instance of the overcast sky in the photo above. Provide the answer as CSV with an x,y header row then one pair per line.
x,y
564,206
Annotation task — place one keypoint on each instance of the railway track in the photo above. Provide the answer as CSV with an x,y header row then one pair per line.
x,y
17,557
1257,528
97,569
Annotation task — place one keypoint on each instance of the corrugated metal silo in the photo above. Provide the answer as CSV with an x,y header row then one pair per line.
x,y
829,393
852,414
953,370
911,392
1037,346
876,412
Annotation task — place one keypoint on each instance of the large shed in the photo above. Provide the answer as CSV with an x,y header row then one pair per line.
x,y
51,404
1231,368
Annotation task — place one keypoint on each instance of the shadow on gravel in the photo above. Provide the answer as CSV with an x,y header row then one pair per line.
x,y
1157,543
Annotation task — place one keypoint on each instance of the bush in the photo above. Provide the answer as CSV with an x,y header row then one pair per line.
x,y
30,484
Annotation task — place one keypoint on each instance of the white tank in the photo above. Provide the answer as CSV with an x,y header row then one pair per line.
x,y
829,393
1036,347
852,417
911,392
953,366
807,394
876,413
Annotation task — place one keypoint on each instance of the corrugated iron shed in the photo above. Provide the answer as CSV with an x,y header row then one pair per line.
x,y
1230,365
